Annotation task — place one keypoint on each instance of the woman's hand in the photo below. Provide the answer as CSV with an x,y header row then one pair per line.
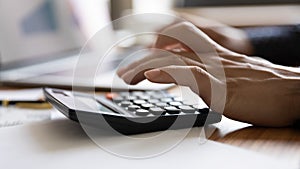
x,y
258,91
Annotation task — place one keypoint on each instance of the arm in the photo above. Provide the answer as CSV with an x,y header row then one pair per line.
x,y
257,92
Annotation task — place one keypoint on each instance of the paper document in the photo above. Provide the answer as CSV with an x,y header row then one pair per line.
x,y
22,95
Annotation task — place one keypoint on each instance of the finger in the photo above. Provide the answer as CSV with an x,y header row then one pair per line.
x,y
208,26
189,36
155,54
163,40
121,71
192,76
136,74
200,22
171,44
198,57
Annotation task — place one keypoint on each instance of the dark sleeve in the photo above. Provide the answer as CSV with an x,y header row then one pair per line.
x,y
278,44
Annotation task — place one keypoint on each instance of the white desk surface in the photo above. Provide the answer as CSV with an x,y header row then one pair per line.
x,y
62,143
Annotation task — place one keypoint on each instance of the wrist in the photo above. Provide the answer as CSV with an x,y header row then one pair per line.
x,y
286,71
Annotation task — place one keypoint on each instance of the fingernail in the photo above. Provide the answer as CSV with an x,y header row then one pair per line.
x,y
152,74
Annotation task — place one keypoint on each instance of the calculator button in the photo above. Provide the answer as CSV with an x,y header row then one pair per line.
x,y
137,93
175,104
125,103
167,95
141,112
187,109
133,107
172,110
124,94
166,99
204,110
139,102
161,105
156,110
118,99
153,101
177,99
157,96
147,106
130,98
151,93
199,106
144,97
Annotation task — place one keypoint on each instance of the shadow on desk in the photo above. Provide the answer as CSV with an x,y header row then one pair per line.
x,y
271,141
261,133
63,134
58,135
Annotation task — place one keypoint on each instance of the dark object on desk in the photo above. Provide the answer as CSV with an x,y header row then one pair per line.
x,y
128,113
278,44
193,3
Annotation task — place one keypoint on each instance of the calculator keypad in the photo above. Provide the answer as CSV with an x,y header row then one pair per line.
x,y
153,103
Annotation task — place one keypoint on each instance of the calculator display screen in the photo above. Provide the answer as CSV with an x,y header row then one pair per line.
x,y
90,104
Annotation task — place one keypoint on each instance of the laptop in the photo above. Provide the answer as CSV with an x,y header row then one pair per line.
x,y
40,42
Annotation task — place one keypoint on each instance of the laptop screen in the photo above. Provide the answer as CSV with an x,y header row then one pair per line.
x,y
37,30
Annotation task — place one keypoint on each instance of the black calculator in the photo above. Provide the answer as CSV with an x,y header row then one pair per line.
x,y
131,112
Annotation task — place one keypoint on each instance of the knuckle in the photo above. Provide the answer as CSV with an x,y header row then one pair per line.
x,y
185,24
178,26
249,66
196,69
171,67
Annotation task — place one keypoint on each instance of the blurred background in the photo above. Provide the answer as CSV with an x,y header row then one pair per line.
x,y
226,11
26,23
34,31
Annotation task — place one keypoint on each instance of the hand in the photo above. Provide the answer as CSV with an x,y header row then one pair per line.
x,y
231,38
258,91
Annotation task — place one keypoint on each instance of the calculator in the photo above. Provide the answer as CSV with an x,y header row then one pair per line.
x,y
131,112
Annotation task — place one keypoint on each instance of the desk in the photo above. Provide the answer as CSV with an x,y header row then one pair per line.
x,y
276,142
